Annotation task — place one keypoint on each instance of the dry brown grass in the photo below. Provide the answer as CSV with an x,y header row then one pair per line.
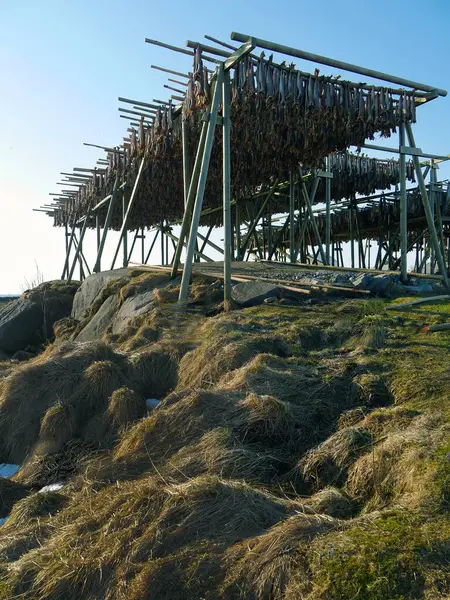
x,y
262,567
352,417
374,331
125,406
224,346
72,381
328,463
143,283
57,427
42,469
332,502
281,428
166,294
220,452
36,506
141,519
65,329
153,372
371,389
399,469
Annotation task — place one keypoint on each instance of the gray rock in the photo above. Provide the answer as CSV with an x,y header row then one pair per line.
x,y
252,293
90,289
423,288
29,320
132,307
97,326
362,281
340,278
21,324
381,285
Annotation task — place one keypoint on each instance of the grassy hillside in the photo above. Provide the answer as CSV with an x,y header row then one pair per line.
x,y
297,452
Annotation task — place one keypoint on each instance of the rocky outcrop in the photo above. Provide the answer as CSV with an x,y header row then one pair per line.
x,y
91,288
132,307
251,293
20,325
29,320
97,326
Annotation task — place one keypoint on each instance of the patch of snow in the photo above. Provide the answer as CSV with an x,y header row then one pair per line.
x,y
52,487
7,470
151,402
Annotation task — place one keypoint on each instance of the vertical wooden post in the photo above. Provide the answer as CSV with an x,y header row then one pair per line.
x,y
185,144
129,207
403,208
69,247
291,219
97,228
352,234
226,187
432,209
190,199
238,231
125,233
328,215
434,241
79,249
112,202
217,96
151,246
312,217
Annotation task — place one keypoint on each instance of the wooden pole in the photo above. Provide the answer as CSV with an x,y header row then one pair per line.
x,y
292,252
403,208
190,199
312,218
432,229
328,204
226,123
127,214
217,97
112,203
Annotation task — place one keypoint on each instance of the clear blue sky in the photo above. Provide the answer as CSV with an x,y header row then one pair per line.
x,y
64,63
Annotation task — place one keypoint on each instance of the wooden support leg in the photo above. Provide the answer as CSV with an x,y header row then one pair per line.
x,y
69,247
217,97
123,229
227,250
112,202
151,247
80,244
431,228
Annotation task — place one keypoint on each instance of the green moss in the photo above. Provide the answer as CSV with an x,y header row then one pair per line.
x,y
391,557
442,479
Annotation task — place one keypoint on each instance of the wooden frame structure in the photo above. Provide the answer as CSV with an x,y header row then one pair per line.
x,y
280,220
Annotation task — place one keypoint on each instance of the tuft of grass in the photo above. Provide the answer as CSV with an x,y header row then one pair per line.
x,y
34,507
328,463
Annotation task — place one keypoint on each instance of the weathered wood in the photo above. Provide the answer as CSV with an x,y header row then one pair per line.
x,y
418,301
438,327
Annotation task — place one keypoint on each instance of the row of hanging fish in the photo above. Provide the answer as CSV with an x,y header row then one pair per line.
x,y
359,174
375,218
280,117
